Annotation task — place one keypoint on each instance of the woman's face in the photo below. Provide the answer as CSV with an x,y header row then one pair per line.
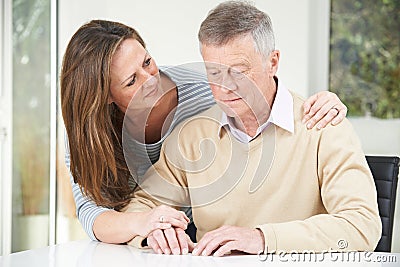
x,y
135,80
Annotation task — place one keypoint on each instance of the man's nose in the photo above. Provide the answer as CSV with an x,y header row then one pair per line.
x,y
228,83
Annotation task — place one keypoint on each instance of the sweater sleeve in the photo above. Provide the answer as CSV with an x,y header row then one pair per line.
x,y
348,192
86,210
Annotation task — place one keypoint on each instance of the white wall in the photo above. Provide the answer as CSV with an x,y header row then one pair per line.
x,y
170,30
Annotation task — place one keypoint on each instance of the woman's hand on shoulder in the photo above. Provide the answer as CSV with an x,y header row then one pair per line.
x,y
322,108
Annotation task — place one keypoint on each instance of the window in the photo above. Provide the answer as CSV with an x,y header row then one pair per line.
x,y
31,93
365,56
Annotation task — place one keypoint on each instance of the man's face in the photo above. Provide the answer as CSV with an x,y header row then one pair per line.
x,y
241,80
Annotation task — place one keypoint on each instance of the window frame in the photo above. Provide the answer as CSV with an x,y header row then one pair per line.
x,y
6,126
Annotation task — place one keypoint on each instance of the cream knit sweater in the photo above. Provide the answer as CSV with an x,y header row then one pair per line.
x,y
307,190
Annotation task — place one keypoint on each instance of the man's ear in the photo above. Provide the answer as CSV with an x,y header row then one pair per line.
x,y
274,61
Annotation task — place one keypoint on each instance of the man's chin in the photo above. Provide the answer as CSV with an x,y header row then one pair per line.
x,y
230,112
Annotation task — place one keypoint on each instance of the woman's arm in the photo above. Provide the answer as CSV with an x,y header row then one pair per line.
x,y
86,210
115,227
110,226
101,224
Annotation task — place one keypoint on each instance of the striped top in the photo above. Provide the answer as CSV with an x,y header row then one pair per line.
x,y
194,96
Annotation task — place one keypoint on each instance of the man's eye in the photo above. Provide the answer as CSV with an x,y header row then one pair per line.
x,y
147,62
214,73
236,72
132,82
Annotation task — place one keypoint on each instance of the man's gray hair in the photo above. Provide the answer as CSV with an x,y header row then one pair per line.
x,y
232,19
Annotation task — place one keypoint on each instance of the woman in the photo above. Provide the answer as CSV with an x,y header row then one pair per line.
x,y
107,74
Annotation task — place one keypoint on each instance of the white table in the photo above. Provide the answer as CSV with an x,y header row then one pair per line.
x,y
94,254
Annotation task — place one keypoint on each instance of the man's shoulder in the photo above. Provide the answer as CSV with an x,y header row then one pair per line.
x,y
197,126
203,119
298,111
212,112
298,101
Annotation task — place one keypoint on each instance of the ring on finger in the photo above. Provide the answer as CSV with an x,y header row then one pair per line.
x,y
161,219
338,111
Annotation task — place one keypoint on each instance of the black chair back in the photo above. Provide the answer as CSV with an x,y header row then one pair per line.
x,y
385,170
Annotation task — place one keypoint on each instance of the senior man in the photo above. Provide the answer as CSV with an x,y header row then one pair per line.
x,y
256,178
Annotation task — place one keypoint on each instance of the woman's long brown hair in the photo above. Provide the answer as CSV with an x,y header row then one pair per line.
x,y
93,126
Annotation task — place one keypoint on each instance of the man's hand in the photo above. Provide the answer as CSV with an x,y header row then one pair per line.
x,y
225,239
171,240
322,108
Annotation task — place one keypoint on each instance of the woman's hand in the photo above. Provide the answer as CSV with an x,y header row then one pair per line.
x,y
161,217
322,108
